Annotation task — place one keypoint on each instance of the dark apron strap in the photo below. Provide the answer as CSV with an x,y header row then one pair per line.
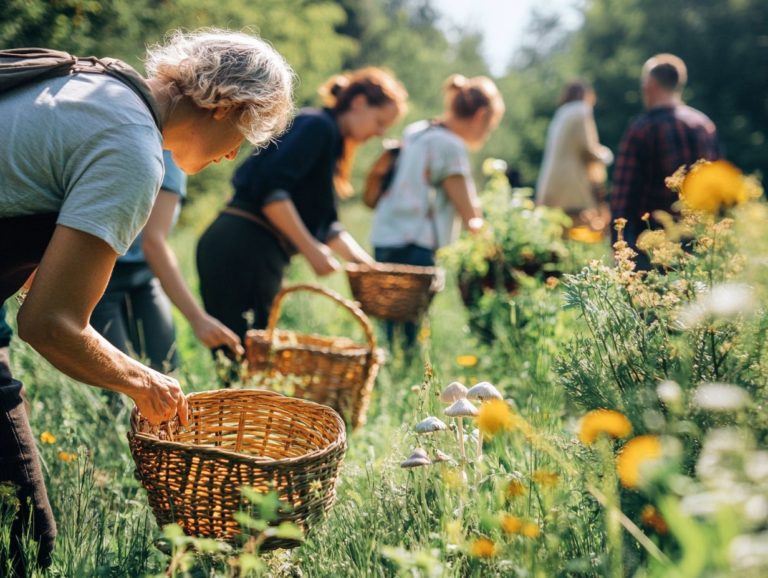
x,y
23,241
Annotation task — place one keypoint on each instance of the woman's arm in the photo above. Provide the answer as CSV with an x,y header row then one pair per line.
x,y
593,149
284,216
345,245
54,320
162,260
465,202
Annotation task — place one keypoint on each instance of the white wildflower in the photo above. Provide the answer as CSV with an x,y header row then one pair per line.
x,y
669,392
720,397
749,552
725,301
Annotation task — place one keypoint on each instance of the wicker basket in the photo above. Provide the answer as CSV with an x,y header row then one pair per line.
x,y
334,371
236,438
395,292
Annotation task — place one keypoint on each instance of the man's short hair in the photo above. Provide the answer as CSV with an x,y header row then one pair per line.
x,y
667,70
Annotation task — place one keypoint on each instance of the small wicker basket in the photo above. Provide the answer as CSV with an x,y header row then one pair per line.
x,y
334,371
237,438
395,292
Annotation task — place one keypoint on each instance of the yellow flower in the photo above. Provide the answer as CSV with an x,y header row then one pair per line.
x,y
652,518
482,548
453,532
530,530
495,416
511,524
552,282
585,235
515,488
637,452
466,360
67,456
710,186
603,421
47,438
545,478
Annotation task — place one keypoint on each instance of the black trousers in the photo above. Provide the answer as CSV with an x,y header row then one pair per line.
x,y
241,266
20,466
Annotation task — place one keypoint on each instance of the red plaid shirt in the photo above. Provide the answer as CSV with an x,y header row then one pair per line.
x,y
654,147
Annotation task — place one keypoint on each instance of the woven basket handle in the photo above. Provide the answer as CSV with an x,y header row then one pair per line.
x,y
350,306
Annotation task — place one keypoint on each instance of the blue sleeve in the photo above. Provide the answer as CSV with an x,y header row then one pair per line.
x,y
175,180
5,330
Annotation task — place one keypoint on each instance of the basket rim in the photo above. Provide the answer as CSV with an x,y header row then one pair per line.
x,y
339,443
356,349
393,268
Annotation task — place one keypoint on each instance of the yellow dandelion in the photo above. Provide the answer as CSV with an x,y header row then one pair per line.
x,y
637,452
585,235
424,334
47,438
603,422
495,416
653,519
67,456
710,186
545,478
530,530
482,548
515,488
466,360
511,524
552,282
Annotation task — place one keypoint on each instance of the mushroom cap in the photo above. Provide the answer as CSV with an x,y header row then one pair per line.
x,y
482,391
461,408
453,392
441,457
417,459
430,424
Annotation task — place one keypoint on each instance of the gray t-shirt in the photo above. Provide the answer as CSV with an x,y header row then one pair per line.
x,y
415,209
84,146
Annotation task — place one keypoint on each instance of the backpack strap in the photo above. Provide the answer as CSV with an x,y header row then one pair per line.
x,y
19,66
127,75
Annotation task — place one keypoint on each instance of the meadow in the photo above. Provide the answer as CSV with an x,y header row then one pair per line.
x,y
631,441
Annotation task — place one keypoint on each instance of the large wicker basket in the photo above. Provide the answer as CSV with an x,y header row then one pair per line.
x,y
334,371
395,292
237,438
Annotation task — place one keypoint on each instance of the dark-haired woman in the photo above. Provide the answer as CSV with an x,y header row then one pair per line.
x,y
285,200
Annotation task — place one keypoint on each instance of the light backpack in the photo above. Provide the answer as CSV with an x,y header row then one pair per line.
x,y
20,66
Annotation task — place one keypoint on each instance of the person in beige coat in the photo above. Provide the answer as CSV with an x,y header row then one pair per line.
x,y
574,160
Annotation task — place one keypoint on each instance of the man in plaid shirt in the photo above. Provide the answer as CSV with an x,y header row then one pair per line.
x,y
669,134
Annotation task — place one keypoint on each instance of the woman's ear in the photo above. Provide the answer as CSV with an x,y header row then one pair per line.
x,y
222,112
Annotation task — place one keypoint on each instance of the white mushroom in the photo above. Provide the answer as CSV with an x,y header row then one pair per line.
x,y
453,392
460,409
441,457
417,459
429,425
483,391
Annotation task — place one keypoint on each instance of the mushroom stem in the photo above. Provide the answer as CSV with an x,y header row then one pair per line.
x,y
460,421
479,445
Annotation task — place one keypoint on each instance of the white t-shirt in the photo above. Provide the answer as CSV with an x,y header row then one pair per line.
x,y
415,209
84,146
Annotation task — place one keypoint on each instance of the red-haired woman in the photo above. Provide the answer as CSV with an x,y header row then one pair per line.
x,y
285,199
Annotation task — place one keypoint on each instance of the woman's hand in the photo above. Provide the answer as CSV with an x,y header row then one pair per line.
x,y
213,333
161,399
322,260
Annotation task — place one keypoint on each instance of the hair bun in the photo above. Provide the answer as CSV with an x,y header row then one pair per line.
x,y
338,84
456,81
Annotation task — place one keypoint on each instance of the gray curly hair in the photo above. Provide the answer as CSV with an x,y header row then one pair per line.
x,y
218,68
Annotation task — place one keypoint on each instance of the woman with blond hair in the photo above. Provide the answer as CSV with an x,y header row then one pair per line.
x,y
432,191
82,164
285,199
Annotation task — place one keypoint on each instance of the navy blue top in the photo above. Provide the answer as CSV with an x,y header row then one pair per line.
x,y
300,166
